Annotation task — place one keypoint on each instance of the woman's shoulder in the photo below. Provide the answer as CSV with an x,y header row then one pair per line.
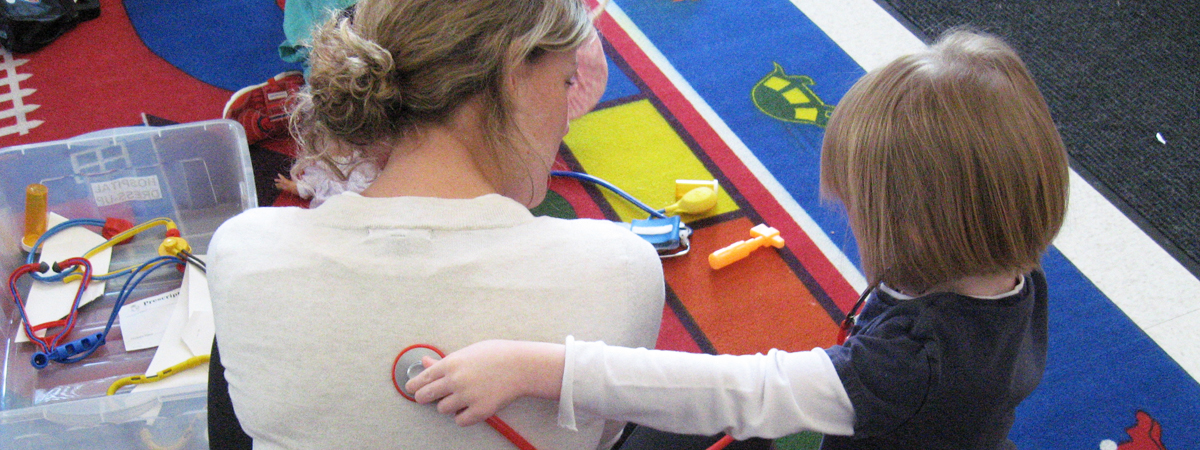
x,y
601,244
255,223
597,231
259,217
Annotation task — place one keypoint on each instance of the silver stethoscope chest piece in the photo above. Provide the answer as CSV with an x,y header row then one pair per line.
x,y
408,365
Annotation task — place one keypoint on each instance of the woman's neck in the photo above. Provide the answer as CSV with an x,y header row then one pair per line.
x,y
438,162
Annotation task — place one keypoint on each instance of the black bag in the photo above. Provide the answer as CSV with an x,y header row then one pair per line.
x,y
28,25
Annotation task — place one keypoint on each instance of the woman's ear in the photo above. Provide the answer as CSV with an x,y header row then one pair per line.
x,y
519,72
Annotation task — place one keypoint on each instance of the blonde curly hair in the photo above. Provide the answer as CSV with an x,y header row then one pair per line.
x,y
380,73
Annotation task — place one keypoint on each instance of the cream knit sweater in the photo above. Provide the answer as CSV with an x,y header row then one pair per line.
x,y
312,307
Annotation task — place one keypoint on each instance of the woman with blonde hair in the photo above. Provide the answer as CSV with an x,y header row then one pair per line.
x,y
466,101
954,179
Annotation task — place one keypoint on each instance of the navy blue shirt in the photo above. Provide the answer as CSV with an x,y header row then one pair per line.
x,y
942,371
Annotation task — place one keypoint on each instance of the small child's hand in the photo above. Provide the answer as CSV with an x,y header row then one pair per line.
x,y
476,382
283,183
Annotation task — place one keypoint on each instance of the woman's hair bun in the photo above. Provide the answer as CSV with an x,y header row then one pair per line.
x,y
353,88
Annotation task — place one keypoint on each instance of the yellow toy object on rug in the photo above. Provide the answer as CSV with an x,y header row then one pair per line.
x,y
762,237
694,197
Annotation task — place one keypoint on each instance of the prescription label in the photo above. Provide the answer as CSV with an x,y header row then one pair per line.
x,y
127,189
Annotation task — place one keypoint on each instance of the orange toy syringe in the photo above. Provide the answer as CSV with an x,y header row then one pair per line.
x,y
35,214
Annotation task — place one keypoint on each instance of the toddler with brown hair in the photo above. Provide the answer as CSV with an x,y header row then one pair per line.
x,y
954,180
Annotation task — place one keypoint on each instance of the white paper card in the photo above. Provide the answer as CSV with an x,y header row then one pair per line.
x,y
199,330
144,322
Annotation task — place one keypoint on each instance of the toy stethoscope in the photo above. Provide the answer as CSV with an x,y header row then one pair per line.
x,y
852,316
408,365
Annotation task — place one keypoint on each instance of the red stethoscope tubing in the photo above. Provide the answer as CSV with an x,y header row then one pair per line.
x,y
495,422
848,323
509,433
725,441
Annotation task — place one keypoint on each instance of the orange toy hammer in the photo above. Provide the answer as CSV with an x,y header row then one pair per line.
x,y
762,237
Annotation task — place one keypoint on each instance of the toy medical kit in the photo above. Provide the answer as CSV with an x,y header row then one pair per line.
x,y
762,237
197,175
408,365
173,251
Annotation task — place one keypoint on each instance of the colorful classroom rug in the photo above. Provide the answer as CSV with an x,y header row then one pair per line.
x,y
737,92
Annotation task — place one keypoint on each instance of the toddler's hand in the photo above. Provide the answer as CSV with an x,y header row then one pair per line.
x,y
283,183
476,382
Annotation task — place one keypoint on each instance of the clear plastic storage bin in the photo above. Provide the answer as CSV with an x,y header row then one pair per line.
x,y
196,174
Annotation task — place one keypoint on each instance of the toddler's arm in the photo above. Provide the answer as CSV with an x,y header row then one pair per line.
x,y
769,396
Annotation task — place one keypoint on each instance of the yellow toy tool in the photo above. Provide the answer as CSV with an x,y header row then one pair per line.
x,y
762,237
696,201
694,197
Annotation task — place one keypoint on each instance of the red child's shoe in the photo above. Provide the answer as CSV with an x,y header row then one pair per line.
x,y
262,108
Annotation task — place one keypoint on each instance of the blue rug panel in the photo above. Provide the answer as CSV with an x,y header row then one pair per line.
x,y
1102,368
226,43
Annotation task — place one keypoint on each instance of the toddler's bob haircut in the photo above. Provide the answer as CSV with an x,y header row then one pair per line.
x,y
948,164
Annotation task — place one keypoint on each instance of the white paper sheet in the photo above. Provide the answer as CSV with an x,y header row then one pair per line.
x,y
172,349
144,322
199,330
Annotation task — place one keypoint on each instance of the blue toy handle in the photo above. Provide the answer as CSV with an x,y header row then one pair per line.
x,y
40,360
65,351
